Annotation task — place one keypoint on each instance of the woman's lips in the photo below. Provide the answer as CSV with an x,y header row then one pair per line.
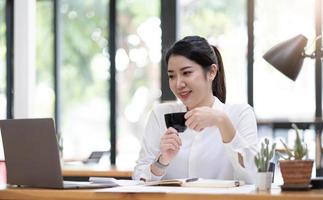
x,y
184,95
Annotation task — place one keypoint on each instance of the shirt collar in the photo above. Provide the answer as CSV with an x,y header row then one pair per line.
x,y
216,104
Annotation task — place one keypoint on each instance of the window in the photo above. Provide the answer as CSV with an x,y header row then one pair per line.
x,y
138,73
3,98
45,94
275,96
85,66
3,71
223,24
84,77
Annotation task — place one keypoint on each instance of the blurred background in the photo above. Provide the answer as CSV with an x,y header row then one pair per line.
x,y
98,65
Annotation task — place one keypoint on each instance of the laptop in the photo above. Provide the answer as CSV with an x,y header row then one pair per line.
x,y
32,156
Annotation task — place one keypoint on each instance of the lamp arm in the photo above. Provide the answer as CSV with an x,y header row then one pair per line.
x,y
312,55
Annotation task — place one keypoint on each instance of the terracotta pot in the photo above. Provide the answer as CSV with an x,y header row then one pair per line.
x,y
296,172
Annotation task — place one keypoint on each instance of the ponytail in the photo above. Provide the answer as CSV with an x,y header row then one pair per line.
x,y
218,84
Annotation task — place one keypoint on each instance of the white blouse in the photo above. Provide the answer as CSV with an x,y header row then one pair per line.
x,y
202,154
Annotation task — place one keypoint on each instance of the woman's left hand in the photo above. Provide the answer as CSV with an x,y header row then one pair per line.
x,y
202,117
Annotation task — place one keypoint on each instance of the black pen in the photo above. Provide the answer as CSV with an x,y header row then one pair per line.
x,y
191,179
237,183
272,169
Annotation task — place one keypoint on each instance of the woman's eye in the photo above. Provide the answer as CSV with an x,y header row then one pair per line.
x,y
170,76
187,72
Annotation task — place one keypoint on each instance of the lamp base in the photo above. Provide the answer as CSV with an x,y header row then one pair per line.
x,y
319,172
317,183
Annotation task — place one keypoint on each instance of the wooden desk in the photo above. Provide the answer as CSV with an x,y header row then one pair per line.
x,y
78,172
99,173
275,194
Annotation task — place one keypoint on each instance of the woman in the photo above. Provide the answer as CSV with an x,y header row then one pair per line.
x,y
221,139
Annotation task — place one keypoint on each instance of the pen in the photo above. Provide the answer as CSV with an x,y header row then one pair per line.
x,y
237,183
272,169
191,179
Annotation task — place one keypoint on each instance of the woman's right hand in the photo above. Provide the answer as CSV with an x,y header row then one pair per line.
x,y
170,144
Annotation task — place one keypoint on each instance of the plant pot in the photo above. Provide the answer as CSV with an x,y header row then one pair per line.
x,y
263,180
296,172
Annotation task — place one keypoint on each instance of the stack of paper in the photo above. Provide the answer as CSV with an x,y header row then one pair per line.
x,y
112,181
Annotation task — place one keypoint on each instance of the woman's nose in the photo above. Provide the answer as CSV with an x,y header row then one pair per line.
x,y
180,83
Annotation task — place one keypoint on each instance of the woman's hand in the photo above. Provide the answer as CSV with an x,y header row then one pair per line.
x,y
170,144
202,117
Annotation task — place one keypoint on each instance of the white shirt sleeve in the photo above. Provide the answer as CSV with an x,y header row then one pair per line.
x,y
245,143
149,150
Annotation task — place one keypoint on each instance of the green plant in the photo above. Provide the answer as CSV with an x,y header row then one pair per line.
x,y
264,156
59,139
299,152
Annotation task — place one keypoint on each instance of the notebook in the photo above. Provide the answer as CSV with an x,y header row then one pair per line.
x,y
197,182
32,156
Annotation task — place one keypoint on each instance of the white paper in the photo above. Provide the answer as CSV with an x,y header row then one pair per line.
x,y
213,183
185,190
106,180
102,180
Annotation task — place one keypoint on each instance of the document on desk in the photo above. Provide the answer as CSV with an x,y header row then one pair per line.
x,y
245,189
197,182
119,182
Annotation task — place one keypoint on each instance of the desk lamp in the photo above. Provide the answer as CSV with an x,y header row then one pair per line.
x,y
287,57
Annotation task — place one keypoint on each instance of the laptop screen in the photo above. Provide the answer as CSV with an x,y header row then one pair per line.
x,y
31,152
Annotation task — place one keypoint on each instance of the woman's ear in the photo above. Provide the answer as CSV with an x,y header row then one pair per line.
x,y
213,72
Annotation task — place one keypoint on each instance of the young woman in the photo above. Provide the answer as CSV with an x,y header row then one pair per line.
x,y
221,139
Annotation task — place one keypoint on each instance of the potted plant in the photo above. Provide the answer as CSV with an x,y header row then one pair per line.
x,y
296,168
262,161
59,139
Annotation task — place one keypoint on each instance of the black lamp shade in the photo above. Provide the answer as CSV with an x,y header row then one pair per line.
x,y
287,56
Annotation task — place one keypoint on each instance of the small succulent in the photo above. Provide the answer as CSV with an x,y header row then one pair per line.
x,y
264,156
300,150
59,139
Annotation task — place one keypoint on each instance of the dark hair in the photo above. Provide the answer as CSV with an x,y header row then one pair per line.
x,y
197,49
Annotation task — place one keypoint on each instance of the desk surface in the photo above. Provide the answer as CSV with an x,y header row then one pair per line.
x,y
98,173
274,194
88,171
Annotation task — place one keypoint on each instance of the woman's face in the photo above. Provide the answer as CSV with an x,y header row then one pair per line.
x,y
188,82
